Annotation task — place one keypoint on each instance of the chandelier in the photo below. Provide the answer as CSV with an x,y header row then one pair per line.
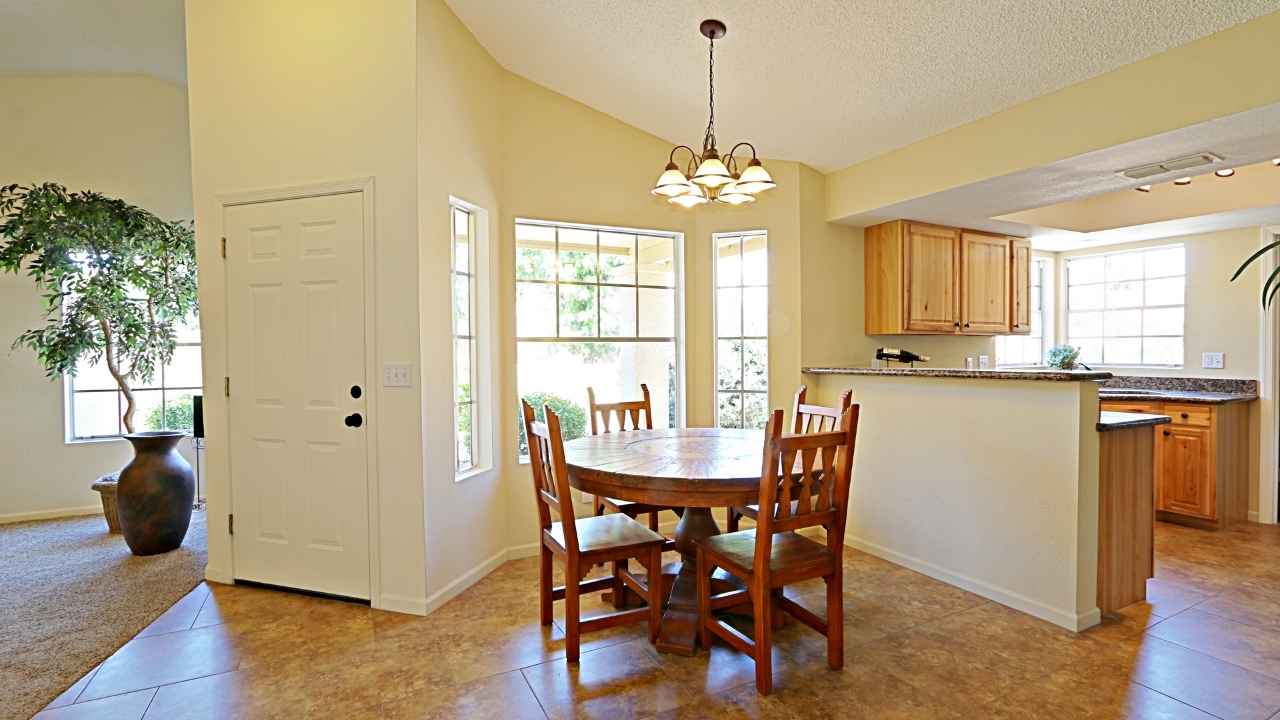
x,y
706,176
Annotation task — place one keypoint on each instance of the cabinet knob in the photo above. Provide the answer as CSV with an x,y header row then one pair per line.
x,y
966,324
957,324
1166,432
1185,416
1016,325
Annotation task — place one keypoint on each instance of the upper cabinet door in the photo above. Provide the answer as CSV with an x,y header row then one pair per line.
x,y
931,270
984,283
1020,255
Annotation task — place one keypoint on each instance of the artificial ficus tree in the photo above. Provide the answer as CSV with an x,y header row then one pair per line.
x,y
117,280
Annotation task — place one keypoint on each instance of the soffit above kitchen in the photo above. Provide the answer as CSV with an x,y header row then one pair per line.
x,y
830,83
94,37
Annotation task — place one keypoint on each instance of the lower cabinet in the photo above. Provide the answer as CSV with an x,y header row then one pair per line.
x,y
1202,462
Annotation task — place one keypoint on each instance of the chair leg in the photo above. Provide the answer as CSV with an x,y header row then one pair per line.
x,y
571,615
779,619
733,520
544,570
619,587
704,600
763,639
835,622
655,593
653,521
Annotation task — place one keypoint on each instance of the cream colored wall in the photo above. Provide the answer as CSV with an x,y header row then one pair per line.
x,y
124,136
1219,75
285,94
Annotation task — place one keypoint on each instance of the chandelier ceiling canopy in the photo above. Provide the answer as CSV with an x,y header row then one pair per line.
x,y
706,176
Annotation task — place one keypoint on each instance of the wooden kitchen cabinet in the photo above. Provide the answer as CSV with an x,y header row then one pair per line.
x,y
1201,461
925,279
1020,279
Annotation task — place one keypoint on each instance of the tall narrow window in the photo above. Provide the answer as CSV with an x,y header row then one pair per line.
x,y
595,307
1027,349
742,330
1127,308
464,338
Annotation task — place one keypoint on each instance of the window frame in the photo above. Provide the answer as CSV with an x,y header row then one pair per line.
x,y
1067,310
678,327
1039,267
741,337
70,392
474,389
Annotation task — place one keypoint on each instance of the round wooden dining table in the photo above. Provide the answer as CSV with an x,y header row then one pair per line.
x,y
694,468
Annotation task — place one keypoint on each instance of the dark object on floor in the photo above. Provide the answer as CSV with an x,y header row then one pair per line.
x,y
106,487
155,493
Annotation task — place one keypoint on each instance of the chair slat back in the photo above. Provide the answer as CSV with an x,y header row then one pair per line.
x,y
620,411
812,468
817,418
550,473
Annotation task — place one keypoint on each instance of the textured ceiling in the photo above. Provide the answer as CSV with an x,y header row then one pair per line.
x,y
94,37
830,82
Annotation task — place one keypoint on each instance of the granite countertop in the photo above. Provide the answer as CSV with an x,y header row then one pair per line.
x,y
1182,396
1118,420
1041,375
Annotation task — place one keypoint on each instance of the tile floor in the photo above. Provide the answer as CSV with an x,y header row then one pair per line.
x,y
1205,644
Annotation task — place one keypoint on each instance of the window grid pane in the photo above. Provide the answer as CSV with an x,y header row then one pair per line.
x,y
1127,308
464,346
1026,349
163,403
742,343
595,307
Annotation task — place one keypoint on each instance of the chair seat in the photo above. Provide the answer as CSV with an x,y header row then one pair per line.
x,y
607,532
790,550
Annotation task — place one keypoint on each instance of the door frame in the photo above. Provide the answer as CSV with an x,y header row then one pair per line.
x,y
365,187
1269,410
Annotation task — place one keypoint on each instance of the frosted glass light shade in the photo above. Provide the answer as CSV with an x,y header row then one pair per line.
x,y
731,194
693,197
672,183
755,179
712,173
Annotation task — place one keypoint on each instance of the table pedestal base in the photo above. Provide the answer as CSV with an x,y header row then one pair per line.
x,y
679,635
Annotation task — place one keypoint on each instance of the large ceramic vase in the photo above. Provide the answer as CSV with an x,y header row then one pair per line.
x,y
155,493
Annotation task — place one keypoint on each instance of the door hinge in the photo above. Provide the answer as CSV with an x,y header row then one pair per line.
x,y
231,524
226,387
224,247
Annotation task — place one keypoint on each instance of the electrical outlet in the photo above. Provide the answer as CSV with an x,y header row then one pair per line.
x,y
397,375
983,362
1214,360
588,498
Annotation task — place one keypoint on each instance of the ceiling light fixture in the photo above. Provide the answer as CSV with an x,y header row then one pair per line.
x,y
1182,181
1143,188
1276,162
1227,172
706,176
1181,163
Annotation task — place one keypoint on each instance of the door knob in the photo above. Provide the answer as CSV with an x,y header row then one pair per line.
x,y
354,420
355,391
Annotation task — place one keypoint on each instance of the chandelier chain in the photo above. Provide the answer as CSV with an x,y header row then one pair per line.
x,y
709,140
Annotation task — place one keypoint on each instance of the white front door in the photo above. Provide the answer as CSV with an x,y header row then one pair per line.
x,y
296,344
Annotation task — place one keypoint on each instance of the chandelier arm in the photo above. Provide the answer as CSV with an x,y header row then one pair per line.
x,y
735,149
672,157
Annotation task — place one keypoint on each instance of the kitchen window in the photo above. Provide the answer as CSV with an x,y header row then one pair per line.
x,y
742,329
595,307
1027,349
464,338
1127,308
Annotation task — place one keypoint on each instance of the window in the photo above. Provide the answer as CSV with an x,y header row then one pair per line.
x,y
96,406
742,330
1126,308
464,338
595,307
1027,349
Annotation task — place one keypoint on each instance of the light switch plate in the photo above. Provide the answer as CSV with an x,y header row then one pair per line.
x,y
1214,360
983,362
397,375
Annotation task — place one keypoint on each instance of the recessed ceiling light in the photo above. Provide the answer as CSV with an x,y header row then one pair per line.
x,y
1144,188
1182,181
1225,172
1276,161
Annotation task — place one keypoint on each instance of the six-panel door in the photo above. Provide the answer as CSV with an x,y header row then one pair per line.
x,y
296,345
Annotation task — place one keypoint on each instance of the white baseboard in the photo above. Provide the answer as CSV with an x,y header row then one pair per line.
x,y
1068,620
218,575
402,604
50,514
1253,516
469,578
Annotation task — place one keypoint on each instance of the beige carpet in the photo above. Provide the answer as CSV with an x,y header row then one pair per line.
x,y
71,594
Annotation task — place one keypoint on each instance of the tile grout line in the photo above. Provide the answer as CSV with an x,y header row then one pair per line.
x,y
536,699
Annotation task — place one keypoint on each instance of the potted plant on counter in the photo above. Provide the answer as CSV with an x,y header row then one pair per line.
x,y
1063,357
117,280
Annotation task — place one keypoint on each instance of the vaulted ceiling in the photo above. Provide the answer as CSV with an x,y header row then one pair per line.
x,y
94,37
830,82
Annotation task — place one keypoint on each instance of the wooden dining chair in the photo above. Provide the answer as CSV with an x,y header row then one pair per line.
x,y
774,554
582,544
622,411
804,419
